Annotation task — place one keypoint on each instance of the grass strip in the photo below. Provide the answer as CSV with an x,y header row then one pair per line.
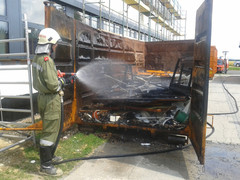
x,y
22,162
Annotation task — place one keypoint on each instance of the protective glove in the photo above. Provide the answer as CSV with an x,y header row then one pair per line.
x,y
61,93
70,80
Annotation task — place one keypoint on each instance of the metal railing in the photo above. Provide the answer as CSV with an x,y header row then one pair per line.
x,y
8,124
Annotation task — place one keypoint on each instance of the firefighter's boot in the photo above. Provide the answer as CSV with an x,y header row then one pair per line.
x,y
55,158
47,167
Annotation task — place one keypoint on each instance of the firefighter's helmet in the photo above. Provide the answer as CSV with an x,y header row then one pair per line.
x,y
48,36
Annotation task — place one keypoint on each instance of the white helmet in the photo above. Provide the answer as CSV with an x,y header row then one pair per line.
x,y
48,36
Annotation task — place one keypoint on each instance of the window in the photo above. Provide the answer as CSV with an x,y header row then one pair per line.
x,y
131,33
125,32
87,19
219,62
34,10
3,7
111,27
135,34
105,25
33,39
94,22
3,35
117,29
142,36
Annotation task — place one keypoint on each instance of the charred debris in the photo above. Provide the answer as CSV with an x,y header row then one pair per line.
x,y
122,95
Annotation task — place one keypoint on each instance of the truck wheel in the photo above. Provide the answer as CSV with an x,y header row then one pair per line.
x,y
237,65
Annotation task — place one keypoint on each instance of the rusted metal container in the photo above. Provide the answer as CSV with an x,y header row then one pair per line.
x,y
124,83
121,84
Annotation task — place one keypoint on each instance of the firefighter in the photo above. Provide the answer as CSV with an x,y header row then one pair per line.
x,y
48,85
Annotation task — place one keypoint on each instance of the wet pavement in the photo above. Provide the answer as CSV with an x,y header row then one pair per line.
x,y
222,157
222,161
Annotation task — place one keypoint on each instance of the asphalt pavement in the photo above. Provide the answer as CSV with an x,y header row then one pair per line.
x,y
222,158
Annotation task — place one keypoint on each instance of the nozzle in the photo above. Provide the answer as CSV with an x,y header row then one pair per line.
x,y
71,74
62,74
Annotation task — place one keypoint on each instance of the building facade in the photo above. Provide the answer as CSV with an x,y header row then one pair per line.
x,y
145,20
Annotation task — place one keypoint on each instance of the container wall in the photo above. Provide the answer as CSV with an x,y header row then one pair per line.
x,y
165,54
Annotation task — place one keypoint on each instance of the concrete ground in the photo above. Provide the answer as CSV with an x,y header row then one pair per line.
x,y
222,160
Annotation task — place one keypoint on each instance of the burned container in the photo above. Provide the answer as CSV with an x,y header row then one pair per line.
x,y
124,83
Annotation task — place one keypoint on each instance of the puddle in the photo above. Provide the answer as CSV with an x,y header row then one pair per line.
x,y
222,161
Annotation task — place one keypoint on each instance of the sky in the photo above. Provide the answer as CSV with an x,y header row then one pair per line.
x,y
225,25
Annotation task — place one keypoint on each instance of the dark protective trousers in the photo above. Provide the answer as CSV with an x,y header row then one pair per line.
x,y
49,106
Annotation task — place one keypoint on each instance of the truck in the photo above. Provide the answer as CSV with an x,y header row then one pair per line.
x,y
213,62
222,65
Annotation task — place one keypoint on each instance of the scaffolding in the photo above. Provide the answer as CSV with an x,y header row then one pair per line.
x,y
167,15
9,125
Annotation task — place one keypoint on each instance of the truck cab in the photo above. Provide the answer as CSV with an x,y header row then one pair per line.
x,y
222,66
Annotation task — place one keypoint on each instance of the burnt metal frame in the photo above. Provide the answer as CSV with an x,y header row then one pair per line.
x,y
177,86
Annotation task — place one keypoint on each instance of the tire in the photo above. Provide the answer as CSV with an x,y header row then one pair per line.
x,y
237,65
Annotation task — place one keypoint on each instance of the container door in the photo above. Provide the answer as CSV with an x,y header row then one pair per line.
x,y
199,102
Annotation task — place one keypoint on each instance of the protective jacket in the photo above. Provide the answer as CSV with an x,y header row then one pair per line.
x,y
45,81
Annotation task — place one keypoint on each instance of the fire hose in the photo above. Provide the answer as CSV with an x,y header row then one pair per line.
x,y
61,93
235,101
133,154
61,123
